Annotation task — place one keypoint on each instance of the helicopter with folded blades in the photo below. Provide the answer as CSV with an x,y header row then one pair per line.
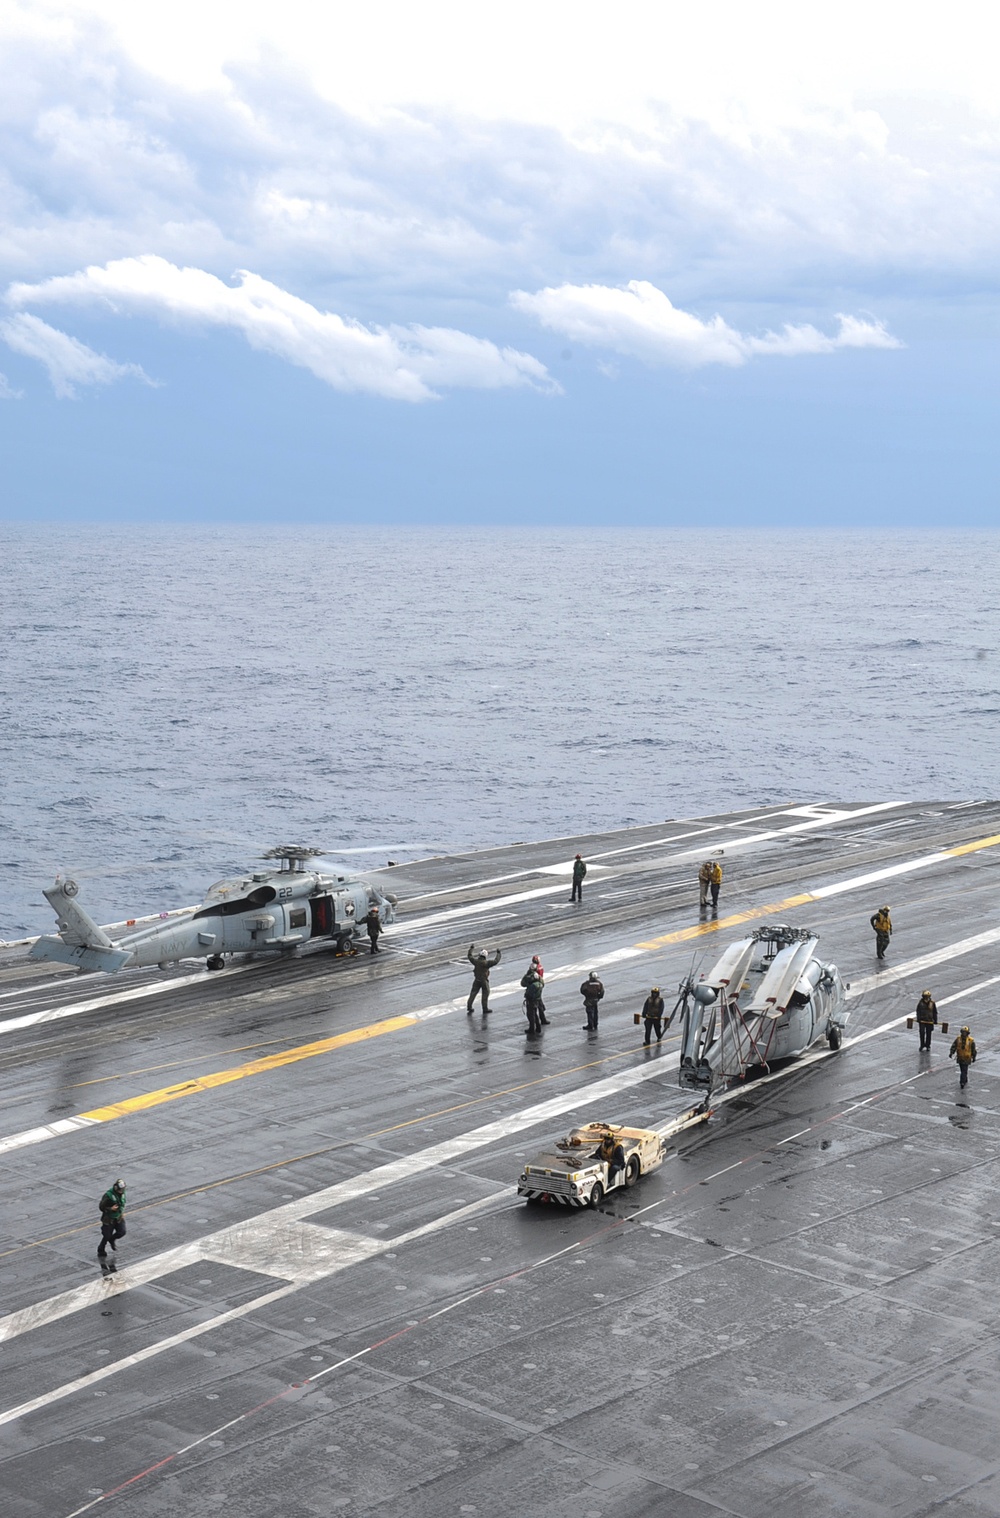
x,y
768,997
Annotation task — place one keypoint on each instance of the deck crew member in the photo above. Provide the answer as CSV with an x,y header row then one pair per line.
x,y
610,1152
964,1051
373,923
533,1004
112,1208
882,924
592,991
704,881
579,870
715,882
482,963
539,969
926,1018
652,1015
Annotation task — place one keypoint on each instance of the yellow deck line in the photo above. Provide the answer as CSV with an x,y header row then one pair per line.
x,y
392,1024
718,923
971,848
240,1072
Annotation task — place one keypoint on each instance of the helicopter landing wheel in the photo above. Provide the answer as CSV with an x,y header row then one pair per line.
x,y
215,962
835,1038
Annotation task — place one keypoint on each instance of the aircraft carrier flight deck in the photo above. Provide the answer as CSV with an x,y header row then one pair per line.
x,y
330,1298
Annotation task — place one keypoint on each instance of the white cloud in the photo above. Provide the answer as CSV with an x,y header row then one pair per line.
x,y
7,391
425,164
444,356
640,321
70,363
568,62
852,332
401,363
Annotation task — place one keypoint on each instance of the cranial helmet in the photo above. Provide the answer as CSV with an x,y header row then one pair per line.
x,y
118,1186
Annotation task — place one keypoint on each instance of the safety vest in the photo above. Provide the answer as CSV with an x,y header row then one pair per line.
x,y
964,1045
112,1204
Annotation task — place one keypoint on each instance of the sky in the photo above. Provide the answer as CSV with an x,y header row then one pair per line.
x,y
555,262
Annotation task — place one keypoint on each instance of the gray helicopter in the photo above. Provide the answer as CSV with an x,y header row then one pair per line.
x,y
767,998
271,910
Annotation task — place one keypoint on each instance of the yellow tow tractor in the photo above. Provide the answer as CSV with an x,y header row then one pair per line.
x,y
580,1169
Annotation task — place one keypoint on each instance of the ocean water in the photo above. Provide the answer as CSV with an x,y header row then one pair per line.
x,y
175,700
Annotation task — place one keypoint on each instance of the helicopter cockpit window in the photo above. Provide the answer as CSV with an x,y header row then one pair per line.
x,y
251,903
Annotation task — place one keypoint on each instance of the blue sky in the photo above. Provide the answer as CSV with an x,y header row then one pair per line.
x,y
551,263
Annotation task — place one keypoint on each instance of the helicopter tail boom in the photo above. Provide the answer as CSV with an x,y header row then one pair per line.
x,y
81,942
79,955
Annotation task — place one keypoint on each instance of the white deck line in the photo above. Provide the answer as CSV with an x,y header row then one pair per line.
x,y
113,999
34,987
801,827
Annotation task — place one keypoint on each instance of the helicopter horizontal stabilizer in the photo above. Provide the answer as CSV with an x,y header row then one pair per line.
x,y
80,955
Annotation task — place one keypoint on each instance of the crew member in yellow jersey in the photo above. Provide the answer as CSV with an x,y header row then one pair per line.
x,y
882,924
964,1051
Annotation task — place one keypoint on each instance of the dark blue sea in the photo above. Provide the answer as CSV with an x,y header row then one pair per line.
x,y
175,700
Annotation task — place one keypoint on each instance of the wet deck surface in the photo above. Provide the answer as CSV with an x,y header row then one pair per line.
x,y
329,1299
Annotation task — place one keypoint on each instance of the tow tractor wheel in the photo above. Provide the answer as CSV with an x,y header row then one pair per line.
x,y
596,1196
215,962
632,1170
835,1038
